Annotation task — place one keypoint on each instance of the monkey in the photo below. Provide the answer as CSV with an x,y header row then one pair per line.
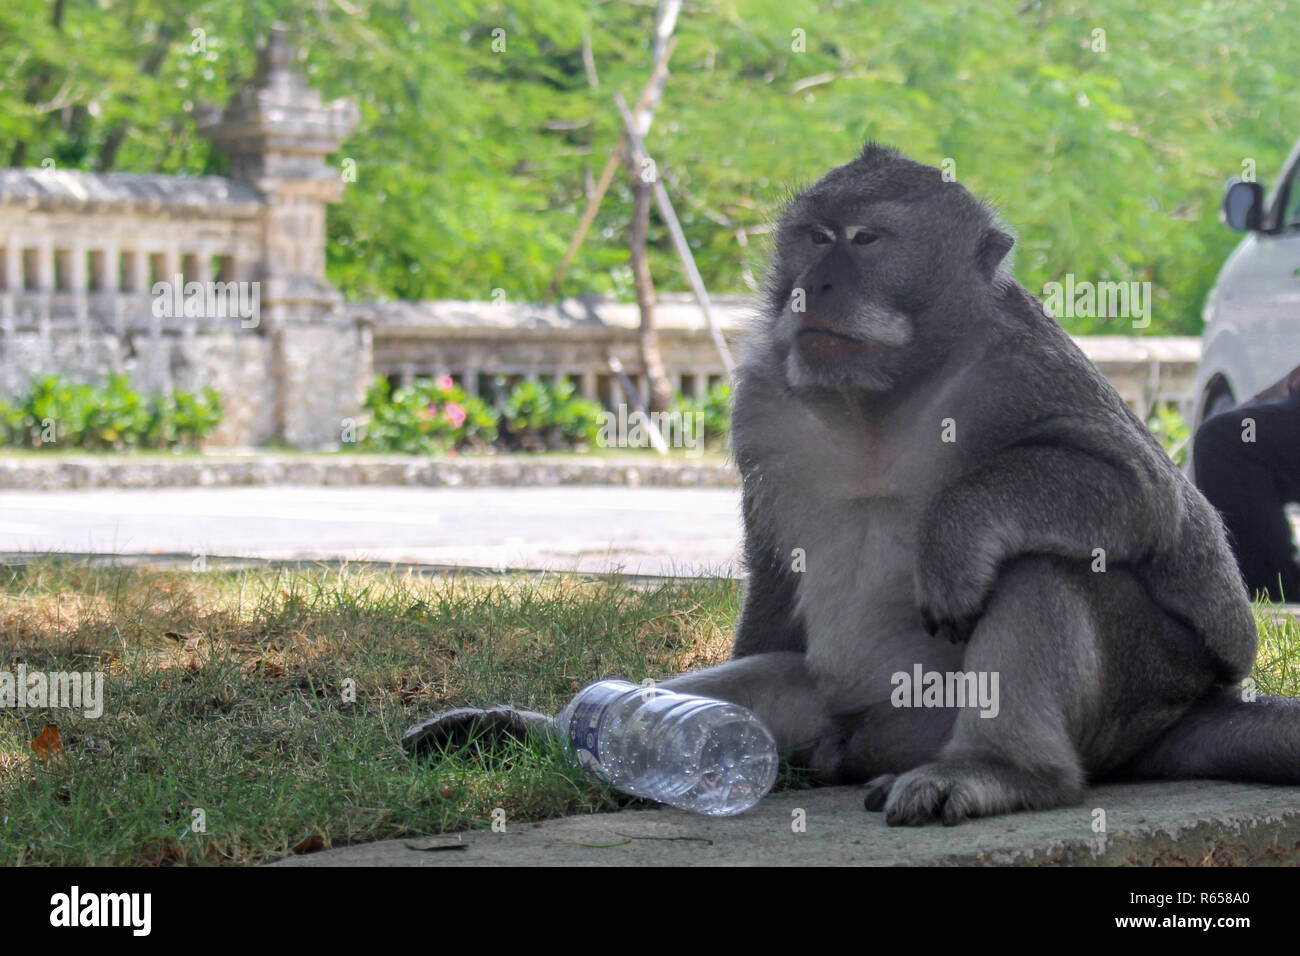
x,y
935,479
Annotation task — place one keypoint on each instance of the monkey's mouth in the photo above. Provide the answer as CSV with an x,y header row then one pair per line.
x,y
823,346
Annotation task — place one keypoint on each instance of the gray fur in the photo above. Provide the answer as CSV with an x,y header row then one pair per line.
x,y
968,555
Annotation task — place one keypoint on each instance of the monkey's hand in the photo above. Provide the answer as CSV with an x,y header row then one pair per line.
x,y
454,729
954,576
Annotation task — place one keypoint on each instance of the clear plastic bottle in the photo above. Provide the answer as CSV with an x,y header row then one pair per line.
x,y
695,753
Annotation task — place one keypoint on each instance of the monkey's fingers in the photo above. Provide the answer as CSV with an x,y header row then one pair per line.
x,y
878,792
956,631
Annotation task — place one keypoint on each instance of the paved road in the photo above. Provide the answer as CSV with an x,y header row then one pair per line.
x,y
645,530
637,530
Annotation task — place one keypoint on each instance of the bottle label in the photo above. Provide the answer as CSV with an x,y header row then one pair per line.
x,y
585,732
584,725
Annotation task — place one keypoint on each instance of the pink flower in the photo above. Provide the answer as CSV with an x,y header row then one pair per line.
x,y
445,384
455,415
430,411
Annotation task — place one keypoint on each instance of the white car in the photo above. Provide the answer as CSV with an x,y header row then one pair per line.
x,y
1252,315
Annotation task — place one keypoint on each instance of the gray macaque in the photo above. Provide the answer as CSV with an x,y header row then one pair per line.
x,y
936,481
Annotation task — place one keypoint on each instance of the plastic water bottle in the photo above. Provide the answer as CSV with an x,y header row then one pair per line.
x,y
694,753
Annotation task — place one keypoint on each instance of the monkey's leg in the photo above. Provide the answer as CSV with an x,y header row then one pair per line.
x,y
1039,637
775,685
837,748
1222,737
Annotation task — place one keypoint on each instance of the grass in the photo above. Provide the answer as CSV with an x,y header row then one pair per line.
x,y
232,694
251,713
1277,665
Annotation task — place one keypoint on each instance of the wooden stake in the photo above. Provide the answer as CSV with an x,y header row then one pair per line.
x,y
648,94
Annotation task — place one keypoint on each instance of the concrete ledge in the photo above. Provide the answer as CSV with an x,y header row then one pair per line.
x,y
63,473
1187,823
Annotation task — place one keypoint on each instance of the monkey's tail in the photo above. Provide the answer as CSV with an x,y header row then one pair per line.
x,y
1223,737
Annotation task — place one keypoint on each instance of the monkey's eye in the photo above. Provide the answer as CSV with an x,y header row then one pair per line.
x,y
864,238
820,237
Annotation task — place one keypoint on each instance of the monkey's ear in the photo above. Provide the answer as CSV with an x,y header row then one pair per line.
x,y
993,248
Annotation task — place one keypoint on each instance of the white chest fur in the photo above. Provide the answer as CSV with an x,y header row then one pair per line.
x,y
846,509
856,597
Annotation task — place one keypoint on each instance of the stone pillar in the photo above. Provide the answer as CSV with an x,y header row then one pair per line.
x,y
470,384
277,132
108,267
171,258
44,266
14,267
204,256
140,272
77,268
77,286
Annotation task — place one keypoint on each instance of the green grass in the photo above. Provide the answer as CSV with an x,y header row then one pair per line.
x,y
1277,665
227,692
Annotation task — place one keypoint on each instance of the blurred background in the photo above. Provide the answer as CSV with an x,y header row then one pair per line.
x,y
473,166
452,272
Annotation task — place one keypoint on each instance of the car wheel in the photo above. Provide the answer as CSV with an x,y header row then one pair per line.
x,y
1221,402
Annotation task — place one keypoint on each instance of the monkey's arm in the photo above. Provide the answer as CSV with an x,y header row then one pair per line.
x,y
768,621
1031,499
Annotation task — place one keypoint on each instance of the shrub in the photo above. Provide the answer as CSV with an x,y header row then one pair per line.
x,y
433,416
429,416
13,424
117,415
56,413
542,415
716,407
192,417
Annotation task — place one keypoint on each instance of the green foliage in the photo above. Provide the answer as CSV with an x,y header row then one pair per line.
x,y
13,424
541,415
57,413
1174,434
427,417
191,418
716,408
472,163
118,415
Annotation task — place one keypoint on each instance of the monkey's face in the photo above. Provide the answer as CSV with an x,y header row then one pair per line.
x,y
861,258
843,320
